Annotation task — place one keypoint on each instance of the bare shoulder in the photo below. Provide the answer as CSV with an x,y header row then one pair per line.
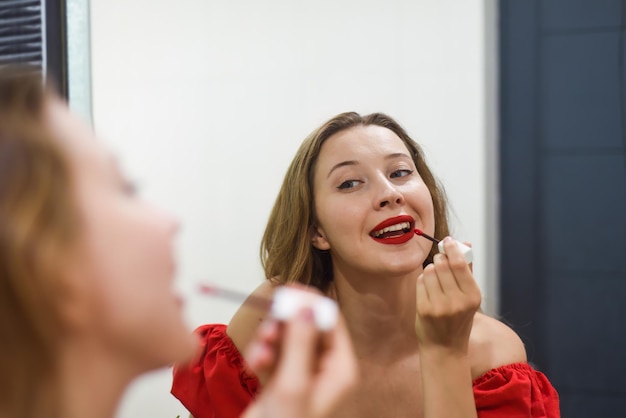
x,y
493,344
242,326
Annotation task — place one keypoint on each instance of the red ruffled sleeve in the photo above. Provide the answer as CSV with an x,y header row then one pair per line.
x,y
515,391
216,384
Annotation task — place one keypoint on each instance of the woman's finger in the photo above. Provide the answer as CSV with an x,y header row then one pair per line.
x,y
433,287
264,350
446,277
470,265
458,266
337,371
421,292
295,367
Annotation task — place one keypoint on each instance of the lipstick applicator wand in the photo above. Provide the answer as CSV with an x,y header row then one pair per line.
x,y
235,296
284,304
428,237
467,251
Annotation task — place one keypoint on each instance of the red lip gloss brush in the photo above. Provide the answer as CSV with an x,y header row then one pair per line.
x,y
467,251
235,296
428,237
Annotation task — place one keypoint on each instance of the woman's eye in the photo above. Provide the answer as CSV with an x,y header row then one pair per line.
x,y
348,184
401,173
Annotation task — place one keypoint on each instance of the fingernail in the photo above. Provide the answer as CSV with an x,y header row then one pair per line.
x,y
448,239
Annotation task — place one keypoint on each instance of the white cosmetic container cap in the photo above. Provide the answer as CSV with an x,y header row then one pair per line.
x,y
287,302
467,251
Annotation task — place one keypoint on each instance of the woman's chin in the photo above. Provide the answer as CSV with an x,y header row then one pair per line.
x,y
401,267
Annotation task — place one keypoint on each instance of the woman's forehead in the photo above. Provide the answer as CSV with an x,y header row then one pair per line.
x,y
371,140
76,138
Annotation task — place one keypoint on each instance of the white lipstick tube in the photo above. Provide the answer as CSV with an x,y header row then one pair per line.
x,y
467,251
287,302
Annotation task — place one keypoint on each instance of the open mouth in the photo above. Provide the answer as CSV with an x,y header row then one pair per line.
x,y
393,230
396,230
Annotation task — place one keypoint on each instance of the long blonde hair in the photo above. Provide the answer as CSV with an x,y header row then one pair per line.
x,y
287,254
37,222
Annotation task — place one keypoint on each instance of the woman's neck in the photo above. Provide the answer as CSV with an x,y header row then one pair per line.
x,y
379,312
91,382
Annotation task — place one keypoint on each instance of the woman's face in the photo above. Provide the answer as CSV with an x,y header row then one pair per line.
x,y
368,199
124,255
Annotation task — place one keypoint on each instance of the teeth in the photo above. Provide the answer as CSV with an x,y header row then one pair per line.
x,y
396,227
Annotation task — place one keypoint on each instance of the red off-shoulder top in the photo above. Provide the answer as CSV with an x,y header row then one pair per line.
x,y
217,385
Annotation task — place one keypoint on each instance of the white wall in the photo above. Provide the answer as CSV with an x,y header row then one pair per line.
x,y
207,101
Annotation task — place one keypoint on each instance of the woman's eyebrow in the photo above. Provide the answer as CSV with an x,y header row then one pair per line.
x,y
342,164
354,162
397,155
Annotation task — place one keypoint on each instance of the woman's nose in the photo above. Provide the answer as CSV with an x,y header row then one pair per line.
x,y
390,195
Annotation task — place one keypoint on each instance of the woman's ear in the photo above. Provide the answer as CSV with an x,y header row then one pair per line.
x,y
318,238
76,297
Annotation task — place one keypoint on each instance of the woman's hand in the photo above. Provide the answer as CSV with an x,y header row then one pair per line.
x,y
307,372
447,299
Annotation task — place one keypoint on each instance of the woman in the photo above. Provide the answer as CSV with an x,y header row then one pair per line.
x,y
86,269
344,222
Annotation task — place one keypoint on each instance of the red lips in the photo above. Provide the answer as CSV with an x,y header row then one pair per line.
x,y
397,239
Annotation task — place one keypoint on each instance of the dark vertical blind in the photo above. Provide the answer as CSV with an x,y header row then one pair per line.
x,y
563,194
22,32
32,32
